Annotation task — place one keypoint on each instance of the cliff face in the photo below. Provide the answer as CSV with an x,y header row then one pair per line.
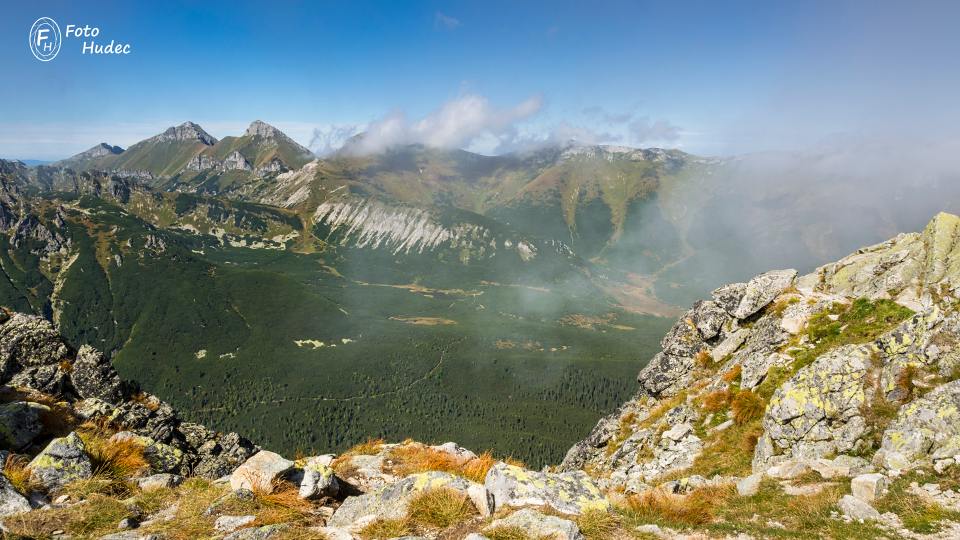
x,y
851,366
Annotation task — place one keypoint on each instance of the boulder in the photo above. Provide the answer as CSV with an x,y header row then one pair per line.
x,y
857,509
538,525
11,502
256,533
455,450
567,493
391,501
869,487
708,317
158,481
926,430
818,411
761,290
64,460
728,297
94,377
318,480
29,341
260,472
20,423
225,524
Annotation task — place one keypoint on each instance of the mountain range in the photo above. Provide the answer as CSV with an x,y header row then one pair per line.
x,y
395,292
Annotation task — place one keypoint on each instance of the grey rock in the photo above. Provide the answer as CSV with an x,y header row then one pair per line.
x,y
64,460
728,297
11,502
158,481
925,430
94,377
256,533
260,471
857,509
539,525
761,290
708,317
318,480
869,487
231,523
567,493
20,423
749,486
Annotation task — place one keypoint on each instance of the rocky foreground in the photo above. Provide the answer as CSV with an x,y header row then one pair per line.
x,y
825,405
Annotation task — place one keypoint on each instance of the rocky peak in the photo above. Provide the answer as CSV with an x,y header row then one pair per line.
x,y
259,128
100,150
187,131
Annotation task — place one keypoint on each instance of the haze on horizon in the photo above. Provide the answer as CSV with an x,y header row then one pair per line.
x,y
708,78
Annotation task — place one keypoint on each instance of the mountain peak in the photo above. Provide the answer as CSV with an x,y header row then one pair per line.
x,y
262,129
187,131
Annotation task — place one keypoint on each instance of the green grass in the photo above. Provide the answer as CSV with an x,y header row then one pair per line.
x,y
859,322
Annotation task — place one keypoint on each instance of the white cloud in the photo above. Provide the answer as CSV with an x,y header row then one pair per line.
x,y
456,124
442,21
644,130
328,139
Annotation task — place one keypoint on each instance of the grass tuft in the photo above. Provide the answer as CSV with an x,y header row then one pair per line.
x,y
746,407
597,524
384,529
440,508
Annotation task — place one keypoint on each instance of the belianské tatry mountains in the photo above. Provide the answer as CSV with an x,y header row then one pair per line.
x,y
784,406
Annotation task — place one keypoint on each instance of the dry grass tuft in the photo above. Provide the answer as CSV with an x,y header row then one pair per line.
x,y
703,359
343,464
598,524
18,473
733,374
440,508
747,406
716,401
384,529
697,508
282,505
507,533
416,458
114,463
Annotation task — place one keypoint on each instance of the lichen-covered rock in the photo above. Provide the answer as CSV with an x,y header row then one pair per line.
x,y
318,480
818,411
926,430
51,379
857,509
28,341
260,471
708,317
666,374
94,377
538,525
567,492
20,423
392,500
728,297
761,290
162,458
756,365
64,460
217,454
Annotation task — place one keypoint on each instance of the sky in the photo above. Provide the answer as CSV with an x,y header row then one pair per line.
x,y
708,77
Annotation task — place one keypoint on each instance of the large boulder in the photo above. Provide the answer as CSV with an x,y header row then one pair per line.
x,y
925,430
817,413
28,341
217,454
94,377
391,501
20,423
63,461
761,290
568,492
260,472
318,480
538,525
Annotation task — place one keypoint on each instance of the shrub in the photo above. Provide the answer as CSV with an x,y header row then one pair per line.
x,y
440,508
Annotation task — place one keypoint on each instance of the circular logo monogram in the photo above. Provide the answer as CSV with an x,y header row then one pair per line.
x,y
45,39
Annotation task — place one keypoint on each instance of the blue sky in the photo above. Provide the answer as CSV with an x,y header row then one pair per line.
x,y
709,77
